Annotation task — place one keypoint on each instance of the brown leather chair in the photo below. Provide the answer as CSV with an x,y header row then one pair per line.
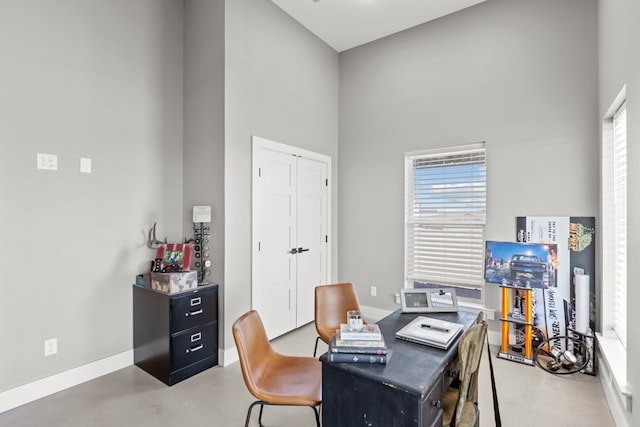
x,y
460,404
273,378
331,305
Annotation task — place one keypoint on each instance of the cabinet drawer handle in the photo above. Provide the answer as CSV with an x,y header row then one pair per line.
x,y
436,403
196,337
196,301
196,348
194,313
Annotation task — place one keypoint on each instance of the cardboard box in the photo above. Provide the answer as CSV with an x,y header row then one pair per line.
x,y
171,283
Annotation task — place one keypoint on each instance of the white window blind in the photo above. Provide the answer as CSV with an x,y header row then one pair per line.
x,y
445,196
614,220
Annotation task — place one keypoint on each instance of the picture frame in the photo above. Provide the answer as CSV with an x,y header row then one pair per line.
x,y
173,257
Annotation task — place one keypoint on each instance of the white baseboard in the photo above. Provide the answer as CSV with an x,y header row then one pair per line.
x,y
612,370
38,389
373,313
228,356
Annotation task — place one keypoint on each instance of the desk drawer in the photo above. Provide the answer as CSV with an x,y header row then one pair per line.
x,y
193,345
432,405
193,309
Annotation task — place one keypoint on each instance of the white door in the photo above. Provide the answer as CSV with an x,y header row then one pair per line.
x,y
290,233
311,235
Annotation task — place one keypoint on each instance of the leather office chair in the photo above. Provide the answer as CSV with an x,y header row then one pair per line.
x,y
271,377
459,404
331,305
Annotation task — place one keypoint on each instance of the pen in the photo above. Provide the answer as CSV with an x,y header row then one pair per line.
x,y
435,328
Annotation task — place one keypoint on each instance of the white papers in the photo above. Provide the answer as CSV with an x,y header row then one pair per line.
x,y
430,331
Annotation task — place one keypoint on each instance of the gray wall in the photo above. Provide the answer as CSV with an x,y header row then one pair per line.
x,y
204,124
520,75
99,79
281,84
619,64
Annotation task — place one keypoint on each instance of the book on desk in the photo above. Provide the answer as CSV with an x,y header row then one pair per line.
x,y
429,331
369,332
366,346
338,345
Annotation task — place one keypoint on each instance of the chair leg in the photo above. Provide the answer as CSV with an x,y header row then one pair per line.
x,y
260,417
257,402
262,403
315,411
316,347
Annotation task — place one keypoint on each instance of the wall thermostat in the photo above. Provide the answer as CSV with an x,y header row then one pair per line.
x,y
202,214
430,300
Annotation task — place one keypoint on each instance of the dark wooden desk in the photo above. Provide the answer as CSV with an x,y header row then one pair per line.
x,y
404,392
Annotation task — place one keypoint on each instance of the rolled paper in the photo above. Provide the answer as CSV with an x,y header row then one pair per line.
x,y
582,302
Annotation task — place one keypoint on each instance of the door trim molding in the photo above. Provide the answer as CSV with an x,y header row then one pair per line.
x,y
259,143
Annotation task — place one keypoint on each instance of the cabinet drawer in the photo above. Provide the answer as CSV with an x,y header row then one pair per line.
x,y
193,345
193,309
432,406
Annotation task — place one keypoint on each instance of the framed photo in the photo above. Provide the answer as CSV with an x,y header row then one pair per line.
x,y
521,264
174,257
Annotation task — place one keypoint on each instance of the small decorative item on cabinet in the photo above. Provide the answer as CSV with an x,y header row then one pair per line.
x,y
172,283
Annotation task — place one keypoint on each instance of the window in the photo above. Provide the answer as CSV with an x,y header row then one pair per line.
x,y
445,211
614,223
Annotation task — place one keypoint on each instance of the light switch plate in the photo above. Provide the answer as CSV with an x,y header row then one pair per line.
x,y
47,161
85,165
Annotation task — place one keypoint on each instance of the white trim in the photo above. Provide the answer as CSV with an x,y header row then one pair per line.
x,y
620,98
373,313
228,357
47,386
376,314
474,146
613,376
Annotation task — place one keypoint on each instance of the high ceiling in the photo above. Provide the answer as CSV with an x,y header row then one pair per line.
x,y
344,24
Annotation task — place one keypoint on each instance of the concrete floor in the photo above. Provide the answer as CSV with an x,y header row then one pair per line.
x,y
528,396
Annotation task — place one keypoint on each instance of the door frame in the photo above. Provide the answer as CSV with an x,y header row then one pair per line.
x,y
259,143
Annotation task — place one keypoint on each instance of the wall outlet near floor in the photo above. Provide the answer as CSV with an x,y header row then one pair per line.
x,y
51,347
373,291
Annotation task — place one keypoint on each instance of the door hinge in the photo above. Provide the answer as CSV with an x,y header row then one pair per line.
x,y
326,239
259,172
326,182
258,246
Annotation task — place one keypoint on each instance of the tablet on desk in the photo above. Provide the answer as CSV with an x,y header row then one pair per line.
x,y
433,300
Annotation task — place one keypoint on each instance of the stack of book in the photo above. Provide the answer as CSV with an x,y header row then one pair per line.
x,y
365,346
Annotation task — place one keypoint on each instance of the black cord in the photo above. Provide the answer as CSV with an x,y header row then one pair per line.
x,y
575,368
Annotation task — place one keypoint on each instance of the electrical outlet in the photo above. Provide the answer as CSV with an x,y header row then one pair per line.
x,y
47,161
373,291
50,347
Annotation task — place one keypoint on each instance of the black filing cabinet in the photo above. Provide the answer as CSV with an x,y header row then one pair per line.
x,y
175,336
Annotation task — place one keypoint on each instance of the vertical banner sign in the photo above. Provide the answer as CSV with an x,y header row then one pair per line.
x,y
555,307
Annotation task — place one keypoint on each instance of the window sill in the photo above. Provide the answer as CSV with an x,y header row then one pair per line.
x,y
614,357
470,306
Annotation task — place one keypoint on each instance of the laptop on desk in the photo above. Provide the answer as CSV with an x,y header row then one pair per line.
x,y
429,331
